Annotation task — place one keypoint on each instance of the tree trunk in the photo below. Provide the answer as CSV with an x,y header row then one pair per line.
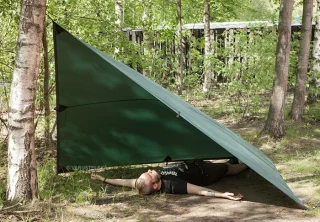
x,y
46,99
119,23
275,122
22,169
179,48
208,72
148,37
301,81
119,14
314,92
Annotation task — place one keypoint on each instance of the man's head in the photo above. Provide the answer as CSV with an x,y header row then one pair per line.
x,y
148,182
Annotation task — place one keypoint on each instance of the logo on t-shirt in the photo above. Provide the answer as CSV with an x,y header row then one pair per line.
x,y
169,172
173,169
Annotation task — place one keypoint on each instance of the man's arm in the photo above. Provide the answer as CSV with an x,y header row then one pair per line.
x,y
115,182
203,191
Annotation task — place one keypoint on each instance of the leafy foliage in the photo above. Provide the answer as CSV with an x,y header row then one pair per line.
x,y
9,19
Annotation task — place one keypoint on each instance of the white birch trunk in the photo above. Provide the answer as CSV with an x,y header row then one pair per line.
x,y
22,169
119,23
46,93
208,70
315,69
119,14
179,48
148,37
316,42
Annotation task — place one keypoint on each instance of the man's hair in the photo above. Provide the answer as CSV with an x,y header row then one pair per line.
x,y
144,187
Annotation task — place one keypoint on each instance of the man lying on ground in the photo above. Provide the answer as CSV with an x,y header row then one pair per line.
x,y
181,178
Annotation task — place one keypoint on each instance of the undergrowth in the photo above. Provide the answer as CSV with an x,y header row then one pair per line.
x,y
72,187
77,187
2,193
298,150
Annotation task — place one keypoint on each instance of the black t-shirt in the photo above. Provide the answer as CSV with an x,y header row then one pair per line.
x,y
174,177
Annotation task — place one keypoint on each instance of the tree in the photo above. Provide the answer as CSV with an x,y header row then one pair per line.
x,y
208,73
147,37
118,22
274,125
301,80
314,92
179,48
46,90
22,168
119,14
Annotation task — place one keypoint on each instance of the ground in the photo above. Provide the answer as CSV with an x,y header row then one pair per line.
x,y
262,201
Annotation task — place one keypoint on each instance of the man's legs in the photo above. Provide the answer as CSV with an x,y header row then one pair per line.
x,y
234,169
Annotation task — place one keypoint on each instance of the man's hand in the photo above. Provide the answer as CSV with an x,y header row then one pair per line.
x,y
96,177
229,196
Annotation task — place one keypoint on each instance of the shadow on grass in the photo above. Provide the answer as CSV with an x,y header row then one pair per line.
x,y
262,201
302,178
119,202
254,188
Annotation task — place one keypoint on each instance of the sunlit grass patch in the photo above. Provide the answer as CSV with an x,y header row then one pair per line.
x,y
314,203
75,187
3,172
305,165
2,193
295,130
312,113
78,187
316,132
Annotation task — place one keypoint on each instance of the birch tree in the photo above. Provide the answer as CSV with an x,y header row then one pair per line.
x,y
208,73
314,91
147,36
22,169
179,48
297,107
119,21
46,93
275,122
119,14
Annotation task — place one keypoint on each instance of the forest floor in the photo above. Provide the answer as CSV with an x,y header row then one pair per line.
x,y
262,201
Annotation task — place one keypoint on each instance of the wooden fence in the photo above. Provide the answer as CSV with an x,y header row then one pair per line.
x,y
223,35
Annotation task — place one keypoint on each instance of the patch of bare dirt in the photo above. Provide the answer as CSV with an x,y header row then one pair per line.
x,y
262,202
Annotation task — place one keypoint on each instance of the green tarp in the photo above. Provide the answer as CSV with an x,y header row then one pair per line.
x,y
110,115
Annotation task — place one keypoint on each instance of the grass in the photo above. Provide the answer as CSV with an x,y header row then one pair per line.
x,y
2,193
2,175
77,187
298,151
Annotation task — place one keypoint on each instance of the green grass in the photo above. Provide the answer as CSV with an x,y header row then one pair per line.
x,y
312,113
298,151
3,159
2,193
75,187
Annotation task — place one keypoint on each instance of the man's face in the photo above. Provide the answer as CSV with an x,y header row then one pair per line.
x,y
151,176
